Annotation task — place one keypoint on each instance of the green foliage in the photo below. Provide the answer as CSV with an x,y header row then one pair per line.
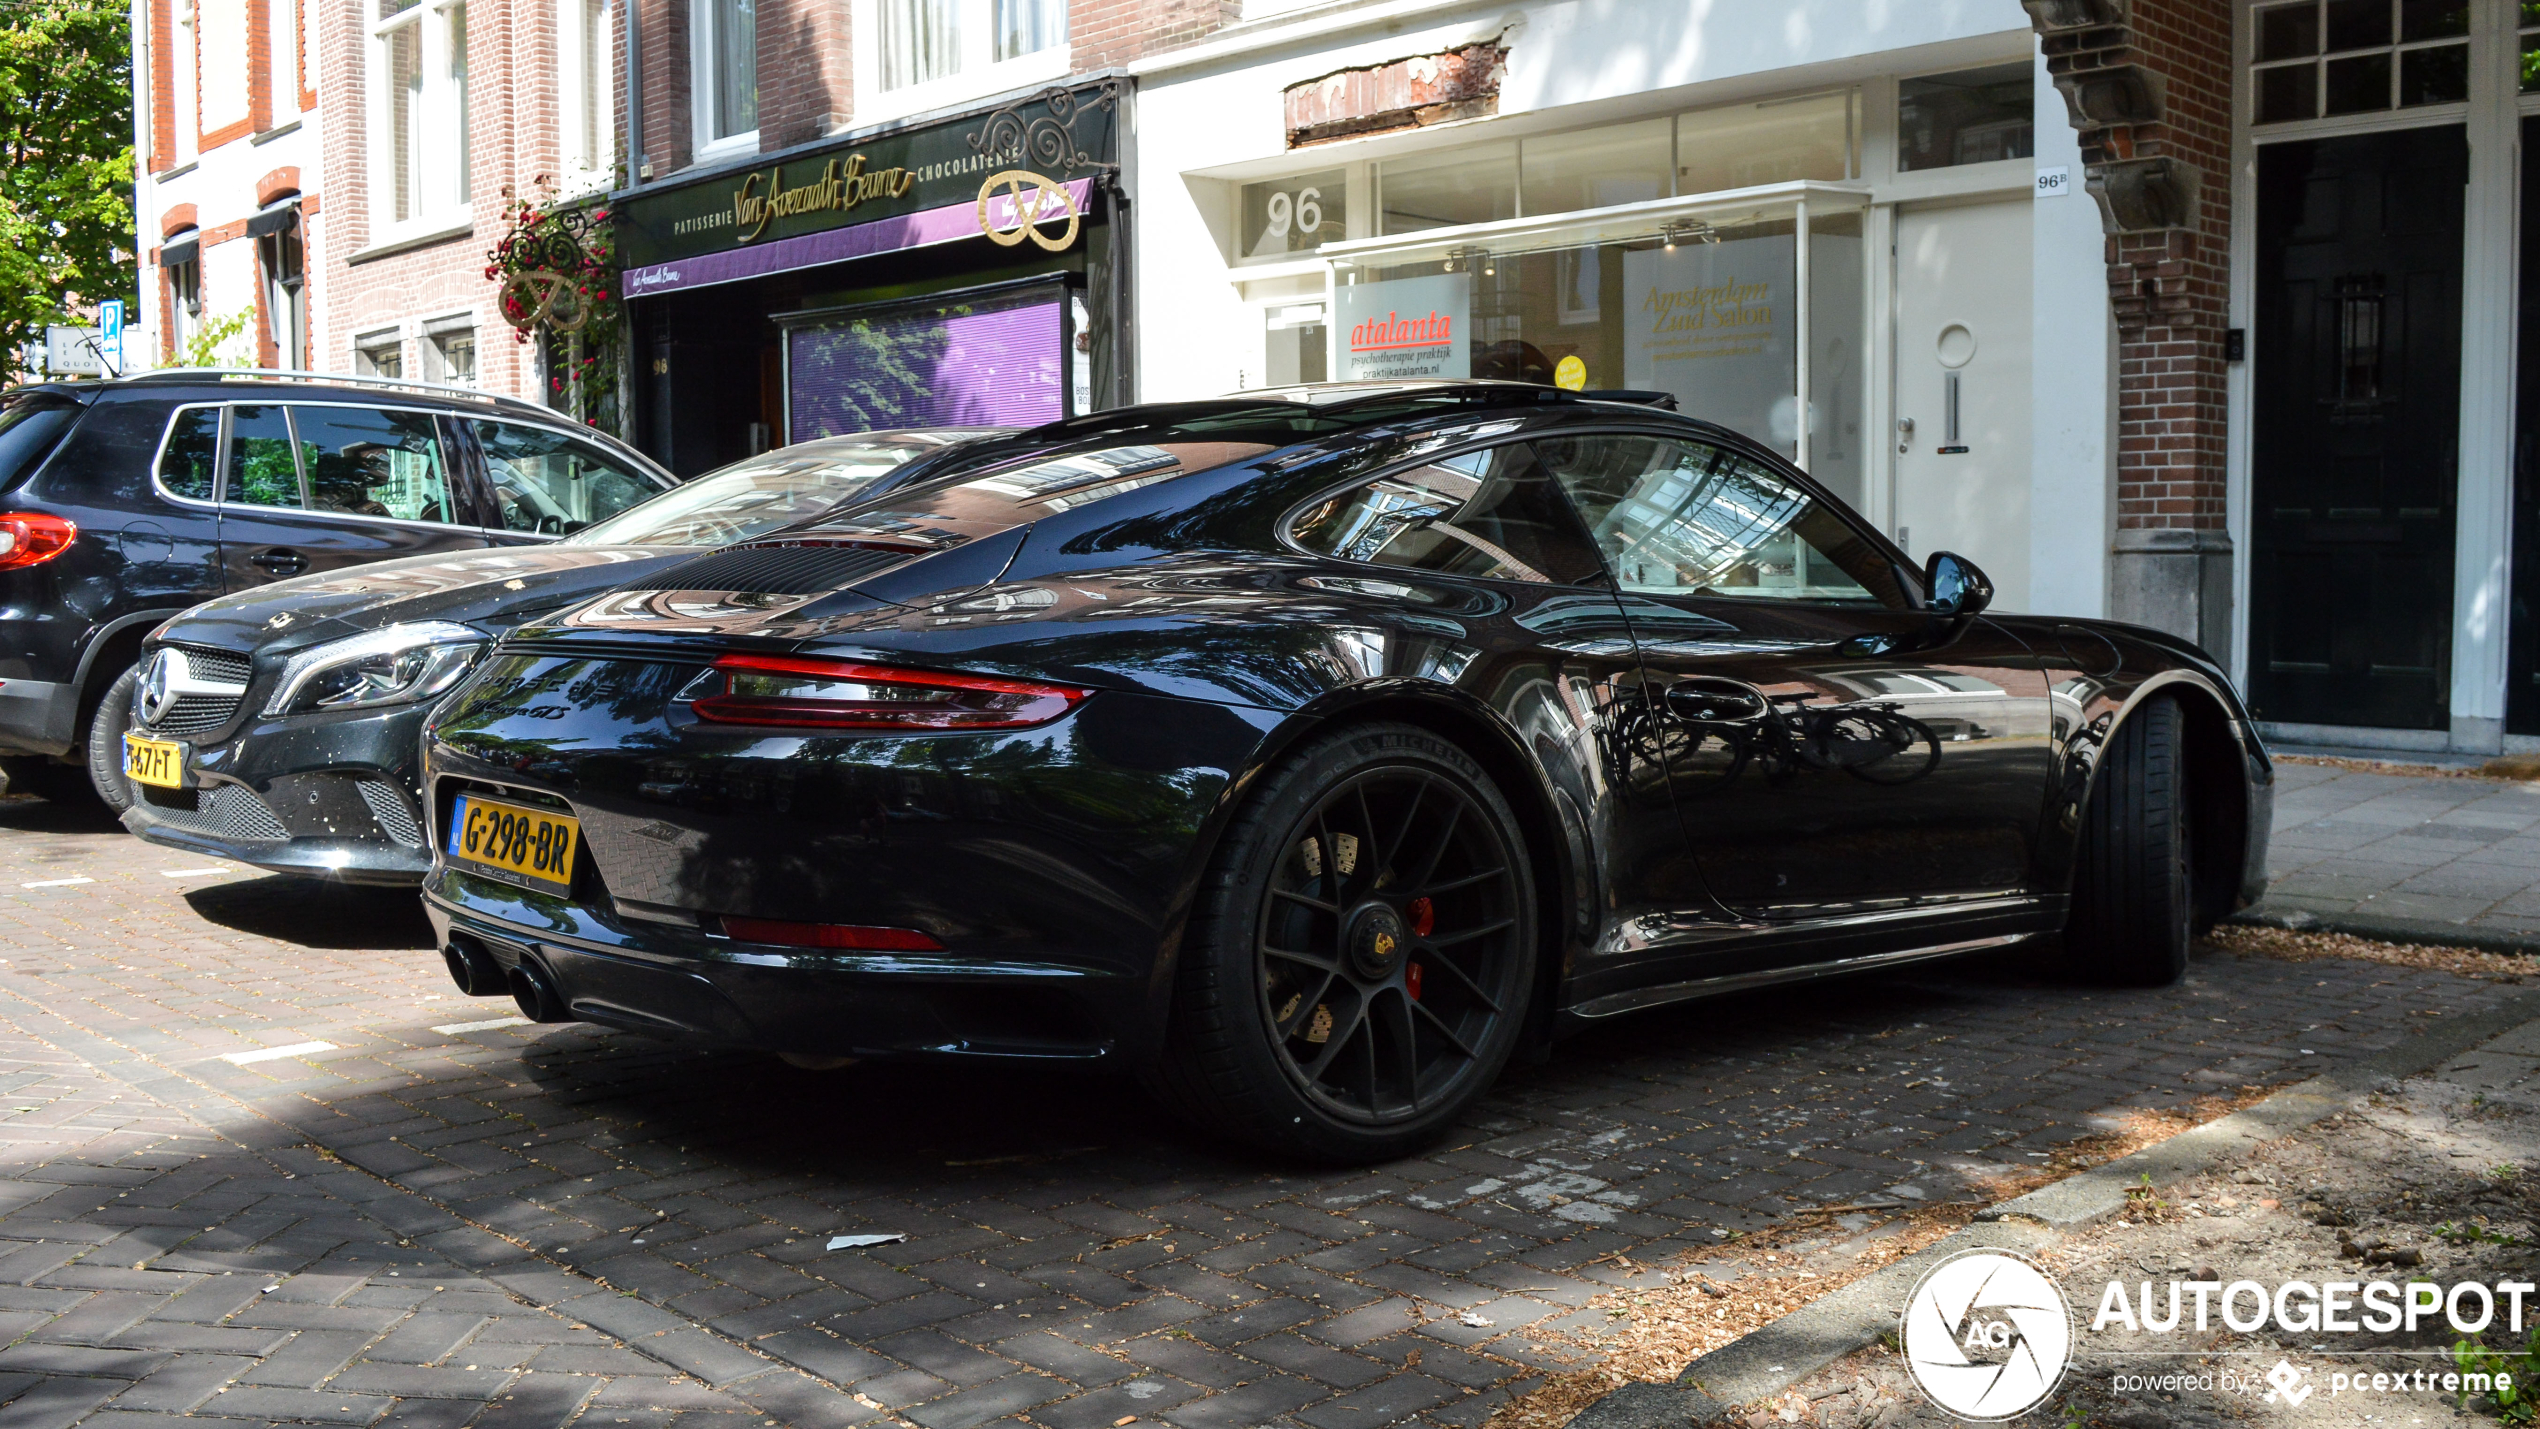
x,y
2471,1233
204,348
2513,1404
65,163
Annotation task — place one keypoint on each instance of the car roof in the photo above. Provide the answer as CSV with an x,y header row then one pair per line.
x,y
223,383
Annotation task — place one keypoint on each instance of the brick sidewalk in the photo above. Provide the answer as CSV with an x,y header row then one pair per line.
x,y
533,1226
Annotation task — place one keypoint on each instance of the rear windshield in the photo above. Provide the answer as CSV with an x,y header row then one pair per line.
x,y
758,495
30,427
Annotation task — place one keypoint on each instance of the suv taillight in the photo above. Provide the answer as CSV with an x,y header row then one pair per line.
x,y
29,538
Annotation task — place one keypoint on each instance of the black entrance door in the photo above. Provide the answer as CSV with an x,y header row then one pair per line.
x,y
2522,669
2356,438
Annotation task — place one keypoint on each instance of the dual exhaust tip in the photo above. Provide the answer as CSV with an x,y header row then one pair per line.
x,y
478,974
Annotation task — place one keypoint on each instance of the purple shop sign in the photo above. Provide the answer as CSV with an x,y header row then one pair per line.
x,y
914,230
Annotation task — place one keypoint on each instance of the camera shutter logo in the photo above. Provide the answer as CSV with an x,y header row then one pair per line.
x,y
1987,1335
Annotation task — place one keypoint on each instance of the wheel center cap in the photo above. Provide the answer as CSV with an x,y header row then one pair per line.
x,y
1378,940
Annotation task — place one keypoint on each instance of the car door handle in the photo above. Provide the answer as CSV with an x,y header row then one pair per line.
x,y
1708,700
280,561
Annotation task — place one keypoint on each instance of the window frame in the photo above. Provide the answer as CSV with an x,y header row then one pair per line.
x,y
978,73
1909,577
185,309
490,517
1506,436
457,480
701,90
286,296
443,185
579,94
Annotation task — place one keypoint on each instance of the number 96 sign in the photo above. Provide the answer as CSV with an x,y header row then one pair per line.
x,y
1293,215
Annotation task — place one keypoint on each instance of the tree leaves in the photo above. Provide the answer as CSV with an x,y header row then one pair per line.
x,y
66,164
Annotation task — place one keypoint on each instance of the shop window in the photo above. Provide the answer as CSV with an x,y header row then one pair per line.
x,y
1971,116
1447,189
585,31
1295,351
262,468
1296,215
379,354
726,50
182,264
548,482
1709,314
996,360
281,262
1689,518
419,122
1596,168
370,463
1812,137
1494,513
2322,58
923,41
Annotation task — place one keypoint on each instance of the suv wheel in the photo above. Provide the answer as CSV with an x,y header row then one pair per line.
x,y
105,742
1357,968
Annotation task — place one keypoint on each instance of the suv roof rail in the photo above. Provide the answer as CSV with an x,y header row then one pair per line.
x,y
337,379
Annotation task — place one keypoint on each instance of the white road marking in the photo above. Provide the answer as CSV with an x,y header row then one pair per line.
x,y
275,1054
57,883
188,872
486,1026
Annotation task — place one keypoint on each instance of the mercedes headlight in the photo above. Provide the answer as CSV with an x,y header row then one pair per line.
x,y
398,665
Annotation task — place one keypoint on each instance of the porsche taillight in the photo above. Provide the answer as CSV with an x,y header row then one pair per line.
x,y
30,538
844,694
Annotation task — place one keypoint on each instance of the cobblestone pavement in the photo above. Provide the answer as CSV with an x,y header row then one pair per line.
x,y
441,1216
2445,850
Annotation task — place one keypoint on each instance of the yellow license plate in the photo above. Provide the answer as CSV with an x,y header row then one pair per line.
x,y
517,843
154,761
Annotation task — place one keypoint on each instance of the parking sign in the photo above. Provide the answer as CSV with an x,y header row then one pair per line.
x,y
110,319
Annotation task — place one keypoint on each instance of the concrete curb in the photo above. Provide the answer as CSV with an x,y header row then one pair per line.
x,y
2422,932
1773,1358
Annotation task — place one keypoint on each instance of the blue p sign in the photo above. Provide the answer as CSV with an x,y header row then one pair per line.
x,y
110,319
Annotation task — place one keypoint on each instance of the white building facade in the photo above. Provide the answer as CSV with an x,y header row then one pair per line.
x,y
1869,211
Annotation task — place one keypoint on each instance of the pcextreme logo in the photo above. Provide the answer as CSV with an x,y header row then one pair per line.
x,y
1987,1335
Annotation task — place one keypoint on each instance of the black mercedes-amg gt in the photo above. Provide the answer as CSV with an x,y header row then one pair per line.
x,y
1315,752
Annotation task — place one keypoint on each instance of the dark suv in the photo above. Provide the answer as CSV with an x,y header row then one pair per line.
x,y
125,502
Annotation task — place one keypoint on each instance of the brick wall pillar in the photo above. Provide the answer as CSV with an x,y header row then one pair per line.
x,y
2148,84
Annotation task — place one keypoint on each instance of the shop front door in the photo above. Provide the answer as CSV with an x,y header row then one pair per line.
x,y
2522,667
1962,379
2355,441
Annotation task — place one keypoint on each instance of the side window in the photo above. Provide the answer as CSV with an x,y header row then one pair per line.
x,y
1688,518
186,462
262,471
1494,512
365,463
548,482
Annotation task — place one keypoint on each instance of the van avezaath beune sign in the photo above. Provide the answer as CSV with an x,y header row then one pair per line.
x,y
1064,132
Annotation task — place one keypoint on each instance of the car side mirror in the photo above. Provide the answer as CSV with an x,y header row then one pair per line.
x,y
1957,587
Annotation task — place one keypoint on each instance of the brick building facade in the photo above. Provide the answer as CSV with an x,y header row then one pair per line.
x,y
428,124
227,204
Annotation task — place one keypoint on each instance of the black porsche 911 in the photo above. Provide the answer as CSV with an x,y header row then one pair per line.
x,y
1314,753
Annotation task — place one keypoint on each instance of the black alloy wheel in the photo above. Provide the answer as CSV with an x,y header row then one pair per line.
x,y
1359,968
